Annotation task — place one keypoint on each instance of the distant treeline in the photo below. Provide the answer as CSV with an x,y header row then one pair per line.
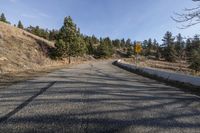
x,y
69,42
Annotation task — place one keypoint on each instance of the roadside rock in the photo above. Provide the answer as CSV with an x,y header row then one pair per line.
x,y
3,59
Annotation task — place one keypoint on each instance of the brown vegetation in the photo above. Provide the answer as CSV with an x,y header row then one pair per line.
x,y
20,50
179,67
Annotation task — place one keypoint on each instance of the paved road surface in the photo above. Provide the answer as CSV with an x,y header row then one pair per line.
x,y
97,97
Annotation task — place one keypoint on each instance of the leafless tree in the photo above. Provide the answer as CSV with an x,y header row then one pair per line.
x,y
190,17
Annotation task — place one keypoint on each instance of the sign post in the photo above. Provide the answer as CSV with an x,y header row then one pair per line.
x,y
138,50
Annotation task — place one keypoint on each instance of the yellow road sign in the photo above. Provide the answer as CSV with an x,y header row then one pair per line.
x,y
138,48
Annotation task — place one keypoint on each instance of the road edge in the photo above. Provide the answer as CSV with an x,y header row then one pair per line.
x,y
181,85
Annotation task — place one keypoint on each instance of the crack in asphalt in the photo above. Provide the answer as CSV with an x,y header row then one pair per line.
x,y
25,103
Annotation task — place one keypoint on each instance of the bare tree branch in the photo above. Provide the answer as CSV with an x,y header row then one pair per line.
x,y
190,17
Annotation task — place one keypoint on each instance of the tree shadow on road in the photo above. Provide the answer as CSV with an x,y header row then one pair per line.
x,y
106,103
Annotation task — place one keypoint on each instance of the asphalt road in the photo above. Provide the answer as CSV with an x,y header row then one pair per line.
x,y
96,97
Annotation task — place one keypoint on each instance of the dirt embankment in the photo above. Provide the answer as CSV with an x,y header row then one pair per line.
x,y
24,55
21,51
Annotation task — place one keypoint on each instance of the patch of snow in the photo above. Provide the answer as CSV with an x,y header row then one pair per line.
x,y
193,80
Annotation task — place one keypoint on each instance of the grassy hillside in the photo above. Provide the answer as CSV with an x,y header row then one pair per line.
x,y
20,50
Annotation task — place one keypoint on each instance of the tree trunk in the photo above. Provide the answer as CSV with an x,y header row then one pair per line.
x,y
69,59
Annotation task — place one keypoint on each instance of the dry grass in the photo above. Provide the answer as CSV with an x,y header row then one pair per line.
x,y
179,67
24,56
20,50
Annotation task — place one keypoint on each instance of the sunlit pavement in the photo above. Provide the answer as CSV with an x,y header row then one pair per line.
x,y
97,97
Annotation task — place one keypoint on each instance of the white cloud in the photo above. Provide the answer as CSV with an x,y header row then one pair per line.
x,y
29,16
41,14
35,14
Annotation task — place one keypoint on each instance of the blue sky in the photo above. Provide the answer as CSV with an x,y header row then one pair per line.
x,y
135,19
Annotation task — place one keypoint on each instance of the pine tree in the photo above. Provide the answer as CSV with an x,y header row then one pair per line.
x,y
44,33
81,47
130,51
158,53
144,47
155,44
194,53
94,40
180,49
3,19
72,43
20,25
53,34
156,49
195,60
123,43
116,43
192,44
144,44
128,43
105,49
61,49
196,42
169,52
148,48
188,47
179,45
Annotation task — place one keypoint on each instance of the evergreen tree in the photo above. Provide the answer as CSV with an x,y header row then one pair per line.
x,y
38,31
193,50
91,49
192,44
149,48
155,44
94,40
91,43
44,33
61,49
20,25
123,43
179,45
128,43
53,34
81,47
116,43
156,49
144,44
188,47
70,40
169,52
105,49
196,42
144,47
158,53
130,51
3,19
195,60
180,49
